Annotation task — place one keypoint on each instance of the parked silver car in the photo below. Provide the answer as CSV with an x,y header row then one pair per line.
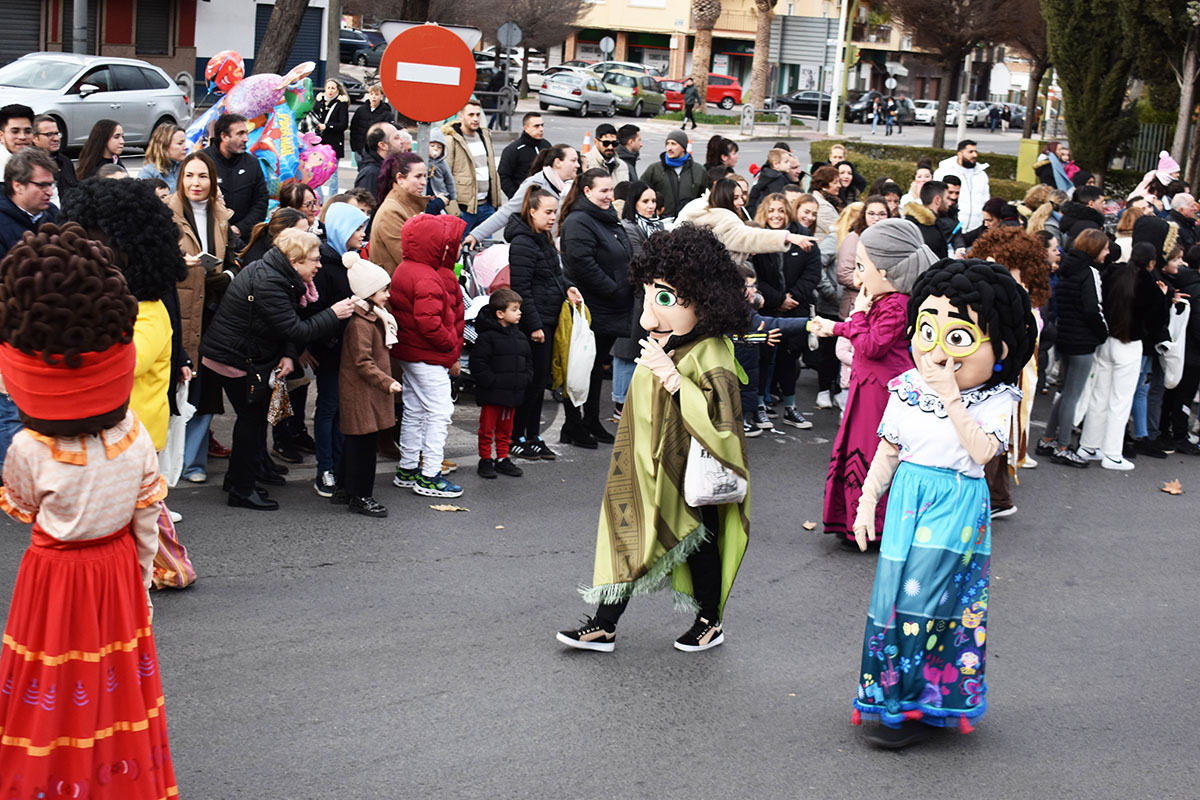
x,y
579,93
79,90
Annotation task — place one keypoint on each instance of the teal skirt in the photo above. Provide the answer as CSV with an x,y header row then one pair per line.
x,y
924,650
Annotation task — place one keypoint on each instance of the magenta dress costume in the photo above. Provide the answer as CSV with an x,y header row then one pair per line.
x,y
880,353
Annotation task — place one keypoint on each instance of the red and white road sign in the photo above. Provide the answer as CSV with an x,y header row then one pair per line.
x,y
428,73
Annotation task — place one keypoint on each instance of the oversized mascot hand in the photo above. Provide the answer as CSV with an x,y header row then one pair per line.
x,y
658,361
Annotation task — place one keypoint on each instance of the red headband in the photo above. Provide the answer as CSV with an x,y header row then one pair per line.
x,y
100,384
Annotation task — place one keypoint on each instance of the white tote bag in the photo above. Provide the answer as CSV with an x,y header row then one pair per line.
x,y
708,482
580,358
170,459
1170,354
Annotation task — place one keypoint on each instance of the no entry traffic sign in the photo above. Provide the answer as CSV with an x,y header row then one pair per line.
x,y
427,73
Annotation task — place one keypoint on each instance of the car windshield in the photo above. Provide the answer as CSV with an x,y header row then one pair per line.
x,y
673,86
568,78
37,73
617,79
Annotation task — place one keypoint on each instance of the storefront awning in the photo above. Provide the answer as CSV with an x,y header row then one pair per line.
x,y
897,69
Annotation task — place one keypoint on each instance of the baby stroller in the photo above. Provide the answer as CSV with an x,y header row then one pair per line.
x,y
482,273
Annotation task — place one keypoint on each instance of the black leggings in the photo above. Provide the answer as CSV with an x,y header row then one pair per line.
x,y
705,564
358,464
249,445
527,421
1174,421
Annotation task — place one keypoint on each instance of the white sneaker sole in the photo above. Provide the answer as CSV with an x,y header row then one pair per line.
x,y
750,434
801,425
696,648
599,647
1007,512
764,426
403,483
1117,466
421,490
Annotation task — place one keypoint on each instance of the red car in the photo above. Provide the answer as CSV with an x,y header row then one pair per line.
x,y
723,91
673,89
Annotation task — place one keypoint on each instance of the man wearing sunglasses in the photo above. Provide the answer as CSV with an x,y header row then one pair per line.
x,y
604,154
47,137
25,204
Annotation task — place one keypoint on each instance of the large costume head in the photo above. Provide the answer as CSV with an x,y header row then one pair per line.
x,y
891,254
66,327
975,313
692,286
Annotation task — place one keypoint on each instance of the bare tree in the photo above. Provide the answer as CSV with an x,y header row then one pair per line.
x,y
951,29
762,43
1030,36
280,36
543,23
704,17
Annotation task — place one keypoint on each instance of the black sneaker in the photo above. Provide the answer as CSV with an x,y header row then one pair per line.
x,y
1069,458
367,506
793,417
305,443
324,484
1145,447
1001,513
520,449
761,419
1166,444
909,732
750,431
771,412
288,452
591,636
1045,448
703,635
543,452
506,467
617,409
1185,447
487,468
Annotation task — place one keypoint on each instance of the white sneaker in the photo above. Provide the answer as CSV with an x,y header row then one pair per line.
x,y
1088,454
1120,464
175,516
840,398
1029,463
824,400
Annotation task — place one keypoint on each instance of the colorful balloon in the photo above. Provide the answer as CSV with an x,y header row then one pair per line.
x,y
317,164
200,127
300,97
255,95
299,72
277,147
224,70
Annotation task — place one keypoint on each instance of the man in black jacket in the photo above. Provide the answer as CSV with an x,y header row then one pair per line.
x,y
516,159
1183,214
239,175
47,136
1085,211
383,139
925,216
629,147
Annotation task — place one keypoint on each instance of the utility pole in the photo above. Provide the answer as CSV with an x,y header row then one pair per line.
x,y
962,97
841,71
333,39
79,27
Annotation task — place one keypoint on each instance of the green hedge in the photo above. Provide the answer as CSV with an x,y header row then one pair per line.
x,y
1000,166
901,172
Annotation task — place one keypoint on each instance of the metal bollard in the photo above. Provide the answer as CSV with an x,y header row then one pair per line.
x,y
746,124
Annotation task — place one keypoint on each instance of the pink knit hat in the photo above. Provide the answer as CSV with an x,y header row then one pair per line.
x,y
1166,164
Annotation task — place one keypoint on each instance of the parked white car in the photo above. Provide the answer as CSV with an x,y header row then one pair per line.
x,y
926,111
80,90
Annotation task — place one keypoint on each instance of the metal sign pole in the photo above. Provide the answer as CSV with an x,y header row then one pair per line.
x,y
422,144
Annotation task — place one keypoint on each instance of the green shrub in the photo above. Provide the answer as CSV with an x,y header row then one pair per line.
x,y
1000,166
723,119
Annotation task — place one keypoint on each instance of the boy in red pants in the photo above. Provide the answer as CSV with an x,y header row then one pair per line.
x,y
502,366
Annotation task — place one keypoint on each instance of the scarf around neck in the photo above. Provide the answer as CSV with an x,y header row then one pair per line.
x,y
676,162
391,329
553,178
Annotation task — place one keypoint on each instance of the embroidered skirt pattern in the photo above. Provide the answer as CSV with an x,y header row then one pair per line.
x,y
81,700
924,650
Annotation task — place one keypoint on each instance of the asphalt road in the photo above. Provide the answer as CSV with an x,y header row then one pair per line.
x,y
323,655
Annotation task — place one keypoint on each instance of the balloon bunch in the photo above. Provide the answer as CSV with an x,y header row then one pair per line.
x,y
272,104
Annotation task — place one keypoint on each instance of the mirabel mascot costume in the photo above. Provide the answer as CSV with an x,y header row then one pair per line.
x,y
686,387
81,701
924,651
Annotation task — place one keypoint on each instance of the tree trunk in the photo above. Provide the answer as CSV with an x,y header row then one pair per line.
x,y
1187,96
701,57
416,11
939,122
1036,73
333,38
280,36
1193,162
762,42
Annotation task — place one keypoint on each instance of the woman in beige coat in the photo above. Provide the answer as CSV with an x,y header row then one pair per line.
x,y
405,174
723,217
203,222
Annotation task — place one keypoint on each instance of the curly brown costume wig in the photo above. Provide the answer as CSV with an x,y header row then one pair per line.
x,y
694,261
1020,251
61,297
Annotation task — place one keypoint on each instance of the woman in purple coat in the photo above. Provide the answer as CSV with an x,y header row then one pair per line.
x,y
891,254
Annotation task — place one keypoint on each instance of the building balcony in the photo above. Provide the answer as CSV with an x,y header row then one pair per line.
x,y
873,34
737,22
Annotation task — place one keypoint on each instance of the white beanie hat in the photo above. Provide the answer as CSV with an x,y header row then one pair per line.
x,y
365,278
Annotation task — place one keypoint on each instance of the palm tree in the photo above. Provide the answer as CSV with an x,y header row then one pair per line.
x,y
762,42
704,17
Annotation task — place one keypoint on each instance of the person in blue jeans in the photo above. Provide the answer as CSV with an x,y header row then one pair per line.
x,y
10,426
345,225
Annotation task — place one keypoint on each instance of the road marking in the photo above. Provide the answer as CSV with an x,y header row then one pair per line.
x,y
427,73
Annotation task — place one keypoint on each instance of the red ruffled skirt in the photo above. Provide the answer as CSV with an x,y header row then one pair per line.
x,y
81,701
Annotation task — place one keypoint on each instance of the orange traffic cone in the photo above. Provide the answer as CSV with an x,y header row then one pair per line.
x,y
689,147
587,144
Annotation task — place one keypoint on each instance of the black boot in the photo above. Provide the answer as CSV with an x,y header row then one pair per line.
x,y
577,435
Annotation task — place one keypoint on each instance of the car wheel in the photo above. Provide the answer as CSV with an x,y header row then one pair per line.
x,y
583,109
543,106
637,110
612,110
726,103
361,60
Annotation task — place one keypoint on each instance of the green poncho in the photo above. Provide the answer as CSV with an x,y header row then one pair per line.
x,y
647,530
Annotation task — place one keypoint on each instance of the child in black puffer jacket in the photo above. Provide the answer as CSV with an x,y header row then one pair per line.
x,y
502,366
